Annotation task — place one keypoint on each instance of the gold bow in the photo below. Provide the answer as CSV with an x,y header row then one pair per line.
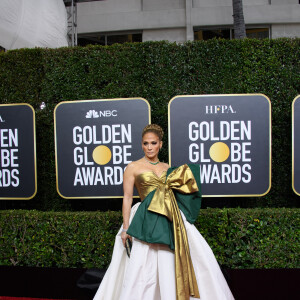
x,y
164,203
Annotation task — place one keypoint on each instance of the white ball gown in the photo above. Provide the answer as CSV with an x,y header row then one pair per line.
x,y
150,272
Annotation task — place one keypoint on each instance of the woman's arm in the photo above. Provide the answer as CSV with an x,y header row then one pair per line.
x,y
128,184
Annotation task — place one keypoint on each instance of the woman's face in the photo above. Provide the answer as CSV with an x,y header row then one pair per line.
x,y
151,145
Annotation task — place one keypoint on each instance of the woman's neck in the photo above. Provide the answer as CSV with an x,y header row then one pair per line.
x,y
152,161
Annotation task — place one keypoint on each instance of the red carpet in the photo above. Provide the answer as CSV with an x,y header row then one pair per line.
x,y
24,298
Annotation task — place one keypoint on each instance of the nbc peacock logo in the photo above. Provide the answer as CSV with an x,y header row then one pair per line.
x,y
101,114
92,114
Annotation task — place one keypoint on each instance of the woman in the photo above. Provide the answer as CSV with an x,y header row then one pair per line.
x,y
169,258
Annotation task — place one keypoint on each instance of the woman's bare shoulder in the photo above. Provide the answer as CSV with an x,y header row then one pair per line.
x,y
133,167
166,166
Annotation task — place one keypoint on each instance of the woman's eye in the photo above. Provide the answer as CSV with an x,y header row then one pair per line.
x,y
154,143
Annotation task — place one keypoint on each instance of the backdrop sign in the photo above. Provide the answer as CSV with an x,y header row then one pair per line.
x,y
296,145
95,140
18,155
229,136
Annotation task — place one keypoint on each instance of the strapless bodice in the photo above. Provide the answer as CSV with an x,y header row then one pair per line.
x,y
148,181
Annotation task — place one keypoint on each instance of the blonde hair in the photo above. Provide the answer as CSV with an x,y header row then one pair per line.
x,y
156,129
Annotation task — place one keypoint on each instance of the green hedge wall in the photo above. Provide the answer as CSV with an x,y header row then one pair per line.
x,y
156,71
240,238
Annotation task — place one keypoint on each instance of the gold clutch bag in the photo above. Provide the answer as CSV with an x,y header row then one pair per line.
x,y
128,246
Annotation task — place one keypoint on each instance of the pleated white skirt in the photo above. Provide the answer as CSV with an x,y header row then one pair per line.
x,y
149,273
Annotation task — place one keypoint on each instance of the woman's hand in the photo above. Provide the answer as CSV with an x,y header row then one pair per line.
x,y
124,237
